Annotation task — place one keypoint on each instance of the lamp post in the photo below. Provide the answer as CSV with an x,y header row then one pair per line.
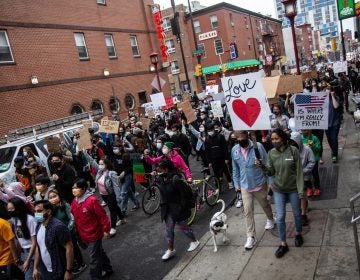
x,y
290,13
154,58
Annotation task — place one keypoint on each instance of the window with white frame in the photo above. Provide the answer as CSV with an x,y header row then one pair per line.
x,y
134,46
214,21
175,67
109,42
166,24
201,46
6,55
218,46
101,2
81,45
197,27
171,45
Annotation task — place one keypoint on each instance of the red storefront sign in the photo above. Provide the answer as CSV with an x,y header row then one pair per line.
x,y
160,31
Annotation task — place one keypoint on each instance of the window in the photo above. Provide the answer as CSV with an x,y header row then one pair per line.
x,y
197,26
249,44
101,2
246,23
109,42
134,46
129,101
5,50
114,105
76,109
214,22
81,45
175,67
231,20
171,45
142,97
218,46
96,105
201,46
166,24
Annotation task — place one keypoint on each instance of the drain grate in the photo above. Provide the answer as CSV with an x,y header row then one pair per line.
x,y
328,182
290,230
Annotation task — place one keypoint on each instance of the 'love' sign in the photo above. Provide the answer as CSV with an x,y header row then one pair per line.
x,y
246,102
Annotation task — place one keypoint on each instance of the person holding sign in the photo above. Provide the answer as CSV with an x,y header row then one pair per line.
x,y
284,164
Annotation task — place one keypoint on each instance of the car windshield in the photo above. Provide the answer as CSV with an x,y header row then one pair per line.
x,y
6,156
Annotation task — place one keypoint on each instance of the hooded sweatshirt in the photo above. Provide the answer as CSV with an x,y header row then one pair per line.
x,y
90,217
306,156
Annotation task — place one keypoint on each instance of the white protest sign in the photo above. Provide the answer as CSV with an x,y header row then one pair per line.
x,y
158,99
219,97
246,102
311,110
212,89
340,66
216,109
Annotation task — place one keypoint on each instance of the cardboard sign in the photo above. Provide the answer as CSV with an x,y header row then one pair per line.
x,y
311,110
169,103
212,89
84,139
141,111
107,126
340,66
87,123
290,83
246,102
309,75
158,99
216,109
145,123
53,144
188,111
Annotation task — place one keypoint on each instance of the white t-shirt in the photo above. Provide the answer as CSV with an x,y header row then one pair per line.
x,y
45,256
31,224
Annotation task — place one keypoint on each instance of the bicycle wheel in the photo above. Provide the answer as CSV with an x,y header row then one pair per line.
x,y
211,190
151,200
191,219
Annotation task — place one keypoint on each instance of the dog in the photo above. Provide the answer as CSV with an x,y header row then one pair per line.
x,y
218,224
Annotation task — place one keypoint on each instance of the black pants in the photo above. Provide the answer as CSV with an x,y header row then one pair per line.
x,y
114,208
10,272
78,258
315,174
99,261
220,168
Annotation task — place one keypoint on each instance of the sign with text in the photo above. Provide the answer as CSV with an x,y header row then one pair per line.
x,y
188,111
213,89
246,102
53,144
207,35
216,109
311,110
346,9
141,111
83,139
145,123
340,66
158,99
169,103
107,126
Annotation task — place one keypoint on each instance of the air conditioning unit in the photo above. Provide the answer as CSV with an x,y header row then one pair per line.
x,y
232,24
247,26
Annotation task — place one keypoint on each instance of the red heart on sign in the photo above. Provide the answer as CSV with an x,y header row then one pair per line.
x,y
248,112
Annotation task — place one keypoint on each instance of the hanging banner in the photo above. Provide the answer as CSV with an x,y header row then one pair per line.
x,y
311,110
346,8
216,109
246,102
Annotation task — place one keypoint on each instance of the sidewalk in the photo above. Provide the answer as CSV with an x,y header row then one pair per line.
x,y
328,251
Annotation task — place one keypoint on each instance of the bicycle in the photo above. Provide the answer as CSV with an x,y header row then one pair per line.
x,y
206,190
150,202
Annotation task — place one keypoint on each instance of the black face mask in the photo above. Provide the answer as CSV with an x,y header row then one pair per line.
x,y
57,164
243,143
12,214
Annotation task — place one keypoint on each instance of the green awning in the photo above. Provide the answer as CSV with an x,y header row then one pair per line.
x,y
230,65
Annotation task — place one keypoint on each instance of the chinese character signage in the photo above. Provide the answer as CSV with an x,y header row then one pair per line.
x,y
160,31
346,8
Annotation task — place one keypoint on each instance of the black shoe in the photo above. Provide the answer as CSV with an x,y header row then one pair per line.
x,y
299,241
105,274
79,269
304,220
135,207
281,251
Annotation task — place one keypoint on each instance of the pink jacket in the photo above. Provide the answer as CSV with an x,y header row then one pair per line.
x,y
176,159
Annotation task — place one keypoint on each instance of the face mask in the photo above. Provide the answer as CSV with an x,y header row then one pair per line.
x,y
211,133
244,143
76,192
201,129
12,214
202,117
102,167
39,217
277,145
277,113
25,154
158,146
165,150
217,129
57,164
162,174
116,151
75,141
171,133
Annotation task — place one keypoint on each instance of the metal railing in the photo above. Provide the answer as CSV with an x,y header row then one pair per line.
x,y
354,220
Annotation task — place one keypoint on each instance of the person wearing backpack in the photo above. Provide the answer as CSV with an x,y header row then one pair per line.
x,y
177,200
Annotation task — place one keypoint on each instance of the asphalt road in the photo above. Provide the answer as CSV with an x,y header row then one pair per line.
x,y
135,252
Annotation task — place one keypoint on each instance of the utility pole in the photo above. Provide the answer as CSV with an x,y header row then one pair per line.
x,y
342,41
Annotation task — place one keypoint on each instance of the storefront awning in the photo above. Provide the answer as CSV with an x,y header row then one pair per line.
x,y
232,65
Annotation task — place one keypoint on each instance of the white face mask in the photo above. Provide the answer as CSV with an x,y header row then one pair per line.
x,y
202,117
102,167
116,151
201,129
165,150
211,133
75,141
171,133
158,146
25,154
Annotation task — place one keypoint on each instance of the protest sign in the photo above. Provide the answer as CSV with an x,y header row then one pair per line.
x,y
201,95
83,139
169,103
107,126
53,144
309,75
311,110
290,83
188,111
138,167
145,123
212,89
340,66
87,123
216,109
246,102
141,111
158,99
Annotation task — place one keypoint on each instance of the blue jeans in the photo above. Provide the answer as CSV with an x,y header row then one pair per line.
x,y
127,192
332,136
28,273
280,204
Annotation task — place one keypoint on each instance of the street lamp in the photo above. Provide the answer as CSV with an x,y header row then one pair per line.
x,y
290,13
154,58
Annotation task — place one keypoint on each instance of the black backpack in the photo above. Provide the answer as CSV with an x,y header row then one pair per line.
x,y
189,196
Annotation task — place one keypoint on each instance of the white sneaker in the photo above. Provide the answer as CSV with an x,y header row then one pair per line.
x,y
269,224
112,231
193,245
231,186
103,204
168,254
120,222
250,243
239,203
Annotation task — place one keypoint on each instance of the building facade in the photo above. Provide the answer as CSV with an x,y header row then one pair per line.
x,y
63,58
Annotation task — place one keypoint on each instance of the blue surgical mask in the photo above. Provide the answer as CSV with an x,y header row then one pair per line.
x,y
39,217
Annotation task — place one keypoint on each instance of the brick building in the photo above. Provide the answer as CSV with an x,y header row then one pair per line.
x,y
60,58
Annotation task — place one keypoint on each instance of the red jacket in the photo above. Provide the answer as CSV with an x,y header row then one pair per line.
x,y
90,217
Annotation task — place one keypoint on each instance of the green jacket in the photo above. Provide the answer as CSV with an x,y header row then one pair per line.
x,y
287,170
316,148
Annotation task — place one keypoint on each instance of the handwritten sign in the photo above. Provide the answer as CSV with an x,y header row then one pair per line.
x,y
311,110
216,109
83,139
108,126
169,103
158,99
213,89
246,102
188,111
340,66
141,111
145,123
87,123
53,144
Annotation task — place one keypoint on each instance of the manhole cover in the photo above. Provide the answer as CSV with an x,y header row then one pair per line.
x,y
328,182
290,230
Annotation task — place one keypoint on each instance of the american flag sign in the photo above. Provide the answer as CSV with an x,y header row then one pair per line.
x,y
309,101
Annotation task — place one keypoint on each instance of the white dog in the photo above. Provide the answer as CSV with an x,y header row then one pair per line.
x,y
218,224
